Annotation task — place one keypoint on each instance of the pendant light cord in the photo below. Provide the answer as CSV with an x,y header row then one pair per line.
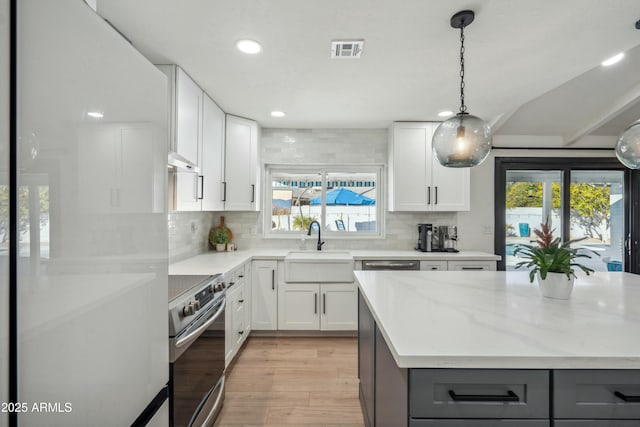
x,y
463,107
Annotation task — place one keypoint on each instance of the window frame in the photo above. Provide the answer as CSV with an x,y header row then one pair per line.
x,y
324,169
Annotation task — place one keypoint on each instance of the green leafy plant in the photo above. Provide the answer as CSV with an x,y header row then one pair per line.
x,y
302,222
550,255
219,237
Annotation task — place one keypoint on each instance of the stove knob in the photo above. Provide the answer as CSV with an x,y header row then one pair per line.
x,y
210,289
196,305
188,310
218,287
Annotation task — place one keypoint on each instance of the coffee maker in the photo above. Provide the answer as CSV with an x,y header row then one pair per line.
x,y
433,238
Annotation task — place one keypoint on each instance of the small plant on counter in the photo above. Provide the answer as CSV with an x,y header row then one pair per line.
x,y
219,237
550,255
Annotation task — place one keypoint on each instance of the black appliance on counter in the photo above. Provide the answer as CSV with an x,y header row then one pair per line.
x,y
433,238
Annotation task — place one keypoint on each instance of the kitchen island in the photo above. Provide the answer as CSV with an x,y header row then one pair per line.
x,y
471,348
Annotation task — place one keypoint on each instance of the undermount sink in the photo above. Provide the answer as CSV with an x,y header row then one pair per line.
x,y
318,267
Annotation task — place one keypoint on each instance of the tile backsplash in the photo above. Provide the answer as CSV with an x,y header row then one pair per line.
x,y
188,231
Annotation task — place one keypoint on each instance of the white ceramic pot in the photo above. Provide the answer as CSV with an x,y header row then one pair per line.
x,y
220,247
556,285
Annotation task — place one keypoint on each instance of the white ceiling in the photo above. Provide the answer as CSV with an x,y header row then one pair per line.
x,y
532,67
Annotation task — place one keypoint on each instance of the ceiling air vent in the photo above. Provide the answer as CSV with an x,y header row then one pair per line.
x,y
346,49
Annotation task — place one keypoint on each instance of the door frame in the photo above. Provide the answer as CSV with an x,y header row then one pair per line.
x,y
566,165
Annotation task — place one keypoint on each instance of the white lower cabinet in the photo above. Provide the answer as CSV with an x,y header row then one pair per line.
x,y
237,313
471,265
313,306
264,295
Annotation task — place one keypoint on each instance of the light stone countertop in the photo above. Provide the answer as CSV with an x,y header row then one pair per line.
x,y
223,262
489,319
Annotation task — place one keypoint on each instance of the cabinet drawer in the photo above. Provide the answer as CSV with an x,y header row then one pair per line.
x,y
478,393
596,423
479,423
433,265
597,394
471,265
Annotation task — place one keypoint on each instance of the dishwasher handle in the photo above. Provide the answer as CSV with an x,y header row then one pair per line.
x,y
390,265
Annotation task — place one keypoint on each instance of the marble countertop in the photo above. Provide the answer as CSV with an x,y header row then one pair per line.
x,y
489,319
223,262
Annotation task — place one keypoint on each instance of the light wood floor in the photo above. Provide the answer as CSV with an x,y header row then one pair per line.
x,y
295,381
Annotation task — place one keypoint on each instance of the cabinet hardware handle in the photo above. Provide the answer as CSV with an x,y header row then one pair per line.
x,y
201,178
241,332
324,303
436,196
627,398
429,195
241,275
273,280
473,268
231,284
240,301
509,397
224,191
315,303
434,268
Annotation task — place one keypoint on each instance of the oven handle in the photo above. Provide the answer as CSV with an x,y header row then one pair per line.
x,y
193,335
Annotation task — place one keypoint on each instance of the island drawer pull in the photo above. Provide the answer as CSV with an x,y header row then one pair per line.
x,y
627,398
473,268
509,397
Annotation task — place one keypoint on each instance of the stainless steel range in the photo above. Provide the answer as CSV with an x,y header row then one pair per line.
x,y
196,345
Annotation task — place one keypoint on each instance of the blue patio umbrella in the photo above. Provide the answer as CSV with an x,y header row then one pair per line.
x,y
343,196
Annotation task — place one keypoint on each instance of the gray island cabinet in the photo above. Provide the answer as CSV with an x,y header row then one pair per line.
x,y
484,349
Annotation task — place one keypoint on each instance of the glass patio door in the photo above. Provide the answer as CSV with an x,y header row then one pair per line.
x,y
591,199
597,217
532,197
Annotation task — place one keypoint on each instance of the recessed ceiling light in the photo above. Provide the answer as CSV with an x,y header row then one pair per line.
x,y
445,113
95,114
278,113
249,46
613,60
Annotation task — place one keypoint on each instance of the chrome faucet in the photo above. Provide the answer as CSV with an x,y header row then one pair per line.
x,y
319,245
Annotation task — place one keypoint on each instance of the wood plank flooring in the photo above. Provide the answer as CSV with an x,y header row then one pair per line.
x,y
293,381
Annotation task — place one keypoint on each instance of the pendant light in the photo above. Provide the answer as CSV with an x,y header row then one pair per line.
x,y
628,146
463,140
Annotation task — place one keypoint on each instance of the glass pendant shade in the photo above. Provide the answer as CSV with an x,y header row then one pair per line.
x,y
462,141
628,147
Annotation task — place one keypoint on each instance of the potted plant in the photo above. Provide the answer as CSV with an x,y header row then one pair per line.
x,y
552,263
219,238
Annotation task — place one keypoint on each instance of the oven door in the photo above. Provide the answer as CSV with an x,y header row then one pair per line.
x,y
197,370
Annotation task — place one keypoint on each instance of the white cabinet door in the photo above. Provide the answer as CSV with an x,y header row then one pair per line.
x,y
247,299
238,318
471,265
187,140
339,307
450,187
229,345
409,175
212,164
188,117
241,164
264,295
417,182
298,306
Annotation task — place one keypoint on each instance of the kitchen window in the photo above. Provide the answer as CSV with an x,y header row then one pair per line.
x,y
345,200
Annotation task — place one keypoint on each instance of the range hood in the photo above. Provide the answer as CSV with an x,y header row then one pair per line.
x,y
179,164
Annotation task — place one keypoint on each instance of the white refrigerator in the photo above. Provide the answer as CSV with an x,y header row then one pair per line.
x,y
91,258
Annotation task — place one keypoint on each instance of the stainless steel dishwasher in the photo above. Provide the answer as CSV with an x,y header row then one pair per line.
x,y
390,265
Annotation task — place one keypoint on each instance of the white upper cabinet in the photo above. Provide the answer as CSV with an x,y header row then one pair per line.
x,y
241,165
212,168
417,182
188,128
